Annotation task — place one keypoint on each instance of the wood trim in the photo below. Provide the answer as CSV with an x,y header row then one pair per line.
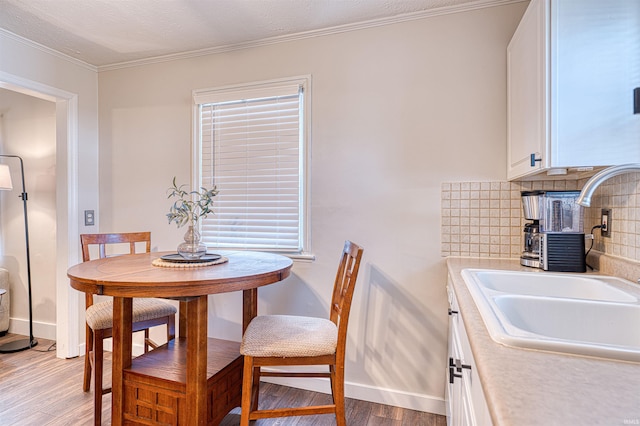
x,y
196,386
122,346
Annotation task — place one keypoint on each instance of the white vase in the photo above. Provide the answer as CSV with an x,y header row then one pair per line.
x,y
192,249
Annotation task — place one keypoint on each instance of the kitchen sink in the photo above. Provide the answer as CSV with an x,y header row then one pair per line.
x,y
584,315
552,285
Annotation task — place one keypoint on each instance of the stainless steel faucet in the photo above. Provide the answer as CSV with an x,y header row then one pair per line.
x,y
587,191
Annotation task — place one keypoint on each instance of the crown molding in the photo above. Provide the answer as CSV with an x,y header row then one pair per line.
x,y
447,10
47,50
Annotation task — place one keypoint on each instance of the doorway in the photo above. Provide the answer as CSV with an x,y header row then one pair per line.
x,y
28,130
65,190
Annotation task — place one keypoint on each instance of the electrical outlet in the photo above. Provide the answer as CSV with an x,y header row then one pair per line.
x,y
89,218
605,221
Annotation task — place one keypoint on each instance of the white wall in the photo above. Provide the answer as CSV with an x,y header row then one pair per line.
x,y
28,129
396,110
32,69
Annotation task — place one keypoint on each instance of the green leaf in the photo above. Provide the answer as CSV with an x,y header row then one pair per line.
x,y
190,206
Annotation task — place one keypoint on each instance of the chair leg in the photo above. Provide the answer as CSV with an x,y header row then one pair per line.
x,y
247,390
337,388
86,385
332,380
171,334
255,391
98,364
146,340
171,328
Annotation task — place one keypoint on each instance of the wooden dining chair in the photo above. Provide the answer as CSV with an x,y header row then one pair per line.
x,y
286,340
147,313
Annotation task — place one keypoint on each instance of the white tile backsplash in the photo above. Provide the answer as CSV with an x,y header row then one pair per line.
x,y
485,219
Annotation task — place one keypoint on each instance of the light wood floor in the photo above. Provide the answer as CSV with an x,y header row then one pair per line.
x,y
36,388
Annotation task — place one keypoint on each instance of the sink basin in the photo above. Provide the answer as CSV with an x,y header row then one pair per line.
x,y
552,285
575,326
577,314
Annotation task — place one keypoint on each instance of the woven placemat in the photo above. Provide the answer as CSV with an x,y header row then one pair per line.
x,y
165,264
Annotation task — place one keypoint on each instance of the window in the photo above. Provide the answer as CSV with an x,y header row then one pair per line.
x,y
251,142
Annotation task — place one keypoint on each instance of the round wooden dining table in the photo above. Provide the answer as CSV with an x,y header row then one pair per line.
x,y
176,383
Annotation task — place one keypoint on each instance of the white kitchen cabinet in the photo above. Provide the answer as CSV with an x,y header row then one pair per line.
x,y
572,66
465,401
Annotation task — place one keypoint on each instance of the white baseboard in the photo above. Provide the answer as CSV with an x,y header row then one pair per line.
x,y
40,329
393,397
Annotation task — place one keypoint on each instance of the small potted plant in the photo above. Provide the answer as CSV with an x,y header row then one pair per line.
x,y
188,209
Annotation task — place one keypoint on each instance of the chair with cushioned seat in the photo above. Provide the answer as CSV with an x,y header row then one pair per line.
x,y
286,340
147,313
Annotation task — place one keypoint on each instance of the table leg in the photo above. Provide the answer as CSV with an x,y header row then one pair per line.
x,y
249,307
122,345
196,386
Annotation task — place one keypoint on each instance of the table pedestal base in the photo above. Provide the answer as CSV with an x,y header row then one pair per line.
x,y
154,386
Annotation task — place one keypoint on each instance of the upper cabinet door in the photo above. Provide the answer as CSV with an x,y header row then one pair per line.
x,y
596,64
588,70
527,93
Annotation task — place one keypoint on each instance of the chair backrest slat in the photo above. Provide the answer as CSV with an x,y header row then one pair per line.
x,y
343,290
102,240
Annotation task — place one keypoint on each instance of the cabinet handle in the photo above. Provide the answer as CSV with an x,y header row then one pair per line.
x,y
458,365
454,366
452,374
534,160
451,311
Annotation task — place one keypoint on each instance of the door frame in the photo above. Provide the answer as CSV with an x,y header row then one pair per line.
x,y
67,212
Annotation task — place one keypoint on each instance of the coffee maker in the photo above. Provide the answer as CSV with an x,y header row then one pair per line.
x,y
531,207
554,241
562,232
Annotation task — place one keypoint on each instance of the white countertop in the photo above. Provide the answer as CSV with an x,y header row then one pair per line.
x,y
529,387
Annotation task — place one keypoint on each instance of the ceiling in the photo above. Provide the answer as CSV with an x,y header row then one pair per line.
x,y
108,32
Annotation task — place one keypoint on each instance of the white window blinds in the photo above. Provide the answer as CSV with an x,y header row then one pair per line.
x,y
251,148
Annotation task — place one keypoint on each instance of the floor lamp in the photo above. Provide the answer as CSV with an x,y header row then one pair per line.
x,y
6,184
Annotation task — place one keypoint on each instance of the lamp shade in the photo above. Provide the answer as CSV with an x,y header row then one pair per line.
x,y
5,178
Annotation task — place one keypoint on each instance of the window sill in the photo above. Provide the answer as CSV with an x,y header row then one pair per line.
x,y
298,257
302,257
